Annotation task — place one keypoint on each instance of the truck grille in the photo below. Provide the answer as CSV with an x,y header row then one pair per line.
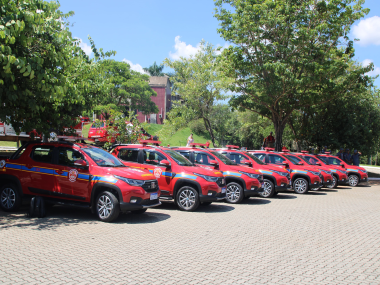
x,y
150,186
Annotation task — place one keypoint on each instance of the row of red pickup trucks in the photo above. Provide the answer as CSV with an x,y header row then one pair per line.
x,y
136,177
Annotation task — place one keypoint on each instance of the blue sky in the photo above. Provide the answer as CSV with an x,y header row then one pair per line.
x,y
145,31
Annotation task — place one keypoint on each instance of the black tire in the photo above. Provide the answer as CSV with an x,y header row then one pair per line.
x,y
269,189
234,193
353,180
10,198
139,212
301,186
335,183
206,203
187,199
107,207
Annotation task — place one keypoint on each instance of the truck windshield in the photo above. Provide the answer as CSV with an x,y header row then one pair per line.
x,y
293,159
258,161
304,159
102,158
181,160
223,158
324,159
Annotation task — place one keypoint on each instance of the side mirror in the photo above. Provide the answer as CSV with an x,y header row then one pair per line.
x,y
318,163
285,164
342,164
214,163
300,163
245,161
165,162
80,163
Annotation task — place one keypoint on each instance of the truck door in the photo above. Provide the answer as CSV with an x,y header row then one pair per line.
x,y
72,182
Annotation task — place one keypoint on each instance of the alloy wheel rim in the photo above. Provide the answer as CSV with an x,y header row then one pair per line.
x,y
187,199
333,184
353,179
267,188
8,198
300,186
233,193
105,206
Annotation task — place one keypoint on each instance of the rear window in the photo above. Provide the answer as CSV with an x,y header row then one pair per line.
x,y
97,125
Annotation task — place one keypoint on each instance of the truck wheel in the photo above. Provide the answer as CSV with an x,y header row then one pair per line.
x,y
268,189
234,193
139,212
10,198
334,184
353,180
300,186
107,207
187,199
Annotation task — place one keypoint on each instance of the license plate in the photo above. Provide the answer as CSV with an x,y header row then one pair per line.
x,y
153,196
224,190
153,185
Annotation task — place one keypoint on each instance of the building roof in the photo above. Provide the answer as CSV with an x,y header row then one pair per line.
x,y
159,81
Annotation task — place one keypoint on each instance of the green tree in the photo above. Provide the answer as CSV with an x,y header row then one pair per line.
x,y
46,79
289,54
199,82
127,90
352,121
155,70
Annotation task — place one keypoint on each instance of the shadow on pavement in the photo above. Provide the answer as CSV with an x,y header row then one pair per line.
x,y
216,207
316,193
328,190
255,201
284,196
59,216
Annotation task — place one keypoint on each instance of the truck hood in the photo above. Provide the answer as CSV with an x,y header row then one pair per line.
x,y
131,173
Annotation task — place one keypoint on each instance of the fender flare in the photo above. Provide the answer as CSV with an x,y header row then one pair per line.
x,y
14,179
233,179
105,185
179,183
271,178
298,175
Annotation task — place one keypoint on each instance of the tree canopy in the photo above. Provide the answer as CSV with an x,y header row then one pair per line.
x,y
289,54
45,77
127,89
200,85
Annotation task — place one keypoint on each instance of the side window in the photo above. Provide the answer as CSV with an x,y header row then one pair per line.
x,y
128,154
67,156
276,159
202,158
42,154
334,161
311,159
19,152
185,154
260,156
153,157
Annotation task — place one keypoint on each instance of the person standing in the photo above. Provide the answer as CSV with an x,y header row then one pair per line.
x,y
270,140
355,158
347,156
324,149
340,154
190,140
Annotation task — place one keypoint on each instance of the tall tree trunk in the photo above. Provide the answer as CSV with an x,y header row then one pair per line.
x,y
210,131
279,126
295,134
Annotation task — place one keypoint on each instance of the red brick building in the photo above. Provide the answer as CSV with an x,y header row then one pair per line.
x,y
162,86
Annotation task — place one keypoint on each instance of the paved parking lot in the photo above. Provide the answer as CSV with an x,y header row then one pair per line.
x,y
320,238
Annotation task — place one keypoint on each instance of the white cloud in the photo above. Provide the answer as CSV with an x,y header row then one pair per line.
x,y
86,48
136,67
368,31
374,72
182,49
